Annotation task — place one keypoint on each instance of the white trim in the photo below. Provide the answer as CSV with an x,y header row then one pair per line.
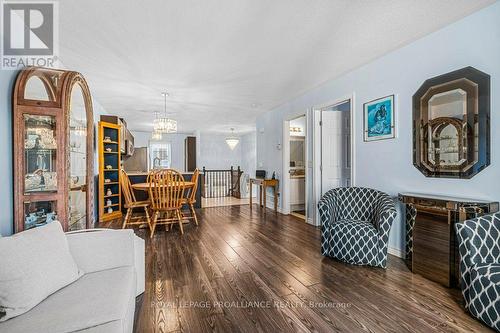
x,y
316,191
285,199
316,135
396,252
353,140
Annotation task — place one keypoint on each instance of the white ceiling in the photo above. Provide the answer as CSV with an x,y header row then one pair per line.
x,y
218,57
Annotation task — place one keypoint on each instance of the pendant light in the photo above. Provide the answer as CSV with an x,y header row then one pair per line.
x,y
232,141
156,136
165,124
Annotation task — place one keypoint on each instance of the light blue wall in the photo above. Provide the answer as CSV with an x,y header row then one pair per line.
x,y
387,165
248,156
248,153
7,79
216,154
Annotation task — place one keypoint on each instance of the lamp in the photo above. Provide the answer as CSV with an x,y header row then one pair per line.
x,y
232,141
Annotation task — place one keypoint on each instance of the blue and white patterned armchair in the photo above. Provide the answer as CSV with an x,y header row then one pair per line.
x,y
355,225
479,247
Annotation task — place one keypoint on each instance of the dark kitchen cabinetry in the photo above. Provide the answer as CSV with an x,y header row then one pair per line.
x,y
190,153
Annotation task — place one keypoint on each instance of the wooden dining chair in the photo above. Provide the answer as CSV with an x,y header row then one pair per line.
x,y
166,190
190,198
131,203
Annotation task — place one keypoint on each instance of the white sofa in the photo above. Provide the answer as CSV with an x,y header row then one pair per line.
x,y
103,299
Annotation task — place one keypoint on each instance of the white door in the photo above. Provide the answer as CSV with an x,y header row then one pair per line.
x,y
335,150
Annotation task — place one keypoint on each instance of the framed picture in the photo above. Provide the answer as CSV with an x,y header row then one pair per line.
x,y
379,119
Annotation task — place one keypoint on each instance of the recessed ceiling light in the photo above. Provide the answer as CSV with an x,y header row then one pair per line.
x,y
255,105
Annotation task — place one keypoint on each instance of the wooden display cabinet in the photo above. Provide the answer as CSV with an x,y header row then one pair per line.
x,y
53,135
109,142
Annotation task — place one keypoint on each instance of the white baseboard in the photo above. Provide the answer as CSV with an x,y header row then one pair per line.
x,y
396,252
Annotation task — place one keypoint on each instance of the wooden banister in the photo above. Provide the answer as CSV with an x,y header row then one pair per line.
x,y
220,183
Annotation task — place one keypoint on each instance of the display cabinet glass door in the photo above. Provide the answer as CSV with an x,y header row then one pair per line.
x,y
39,213
78,160
40,149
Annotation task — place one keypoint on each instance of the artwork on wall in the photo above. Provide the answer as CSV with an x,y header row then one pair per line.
x,y
379,119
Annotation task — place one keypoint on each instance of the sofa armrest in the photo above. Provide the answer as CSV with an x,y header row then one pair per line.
x,y
100,249
140,264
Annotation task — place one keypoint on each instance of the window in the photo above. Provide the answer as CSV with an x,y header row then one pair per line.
x,y
160,155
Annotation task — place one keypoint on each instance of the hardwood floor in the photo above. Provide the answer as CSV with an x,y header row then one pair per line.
x,y
243,271
224,201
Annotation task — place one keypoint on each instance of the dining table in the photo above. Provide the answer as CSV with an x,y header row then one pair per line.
x,y
145,186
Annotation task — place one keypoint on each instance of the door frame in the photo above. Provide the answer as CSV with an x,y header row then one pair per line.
x,y
286,163
317,158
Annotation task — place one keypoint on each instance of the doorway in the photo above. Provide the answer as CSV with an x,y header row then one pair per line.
x,y
295,166
333,148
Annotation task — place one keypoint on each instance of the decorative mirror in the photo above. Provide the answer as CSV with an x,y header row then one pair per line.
x,y
451,124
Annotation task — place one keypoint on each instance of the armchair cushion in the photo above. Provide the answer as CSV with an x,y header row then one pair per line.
x,y
353,242
480,267
484,293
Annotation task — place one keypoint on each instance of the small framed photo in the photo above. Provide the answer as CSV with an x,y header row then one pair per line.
x,y
379,119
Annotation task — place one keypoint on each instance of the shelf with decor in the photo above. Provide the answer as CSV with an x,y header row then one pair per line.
x,y
109,171
53,136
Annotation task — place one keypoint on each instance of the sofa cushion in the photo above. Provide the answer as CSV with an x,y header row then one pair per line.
x,y
484,293
103,301
35,263
355,242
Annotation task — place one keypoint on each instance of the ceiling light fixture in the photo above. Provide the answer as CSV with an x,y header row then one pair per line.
x,y
165,124
156,136
232,141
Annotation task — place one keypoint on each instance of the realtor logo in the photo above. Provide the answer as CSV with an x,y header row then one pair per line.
x,y
29,34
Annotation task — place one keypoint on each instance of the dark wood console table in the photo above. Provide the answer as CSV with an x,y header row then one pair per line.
x,y
431,247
